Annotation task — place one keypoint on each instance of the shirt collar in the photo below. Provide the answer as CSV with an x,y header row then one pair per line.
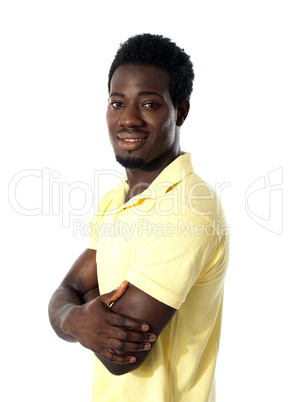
x,y
175,172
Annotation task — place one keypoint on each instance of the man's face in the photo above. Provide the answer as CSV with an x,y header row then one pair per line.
x,y
141,118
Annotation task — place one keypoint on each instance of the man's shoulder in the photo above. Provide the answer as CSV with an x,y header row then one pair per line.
x,y
104,202
192,195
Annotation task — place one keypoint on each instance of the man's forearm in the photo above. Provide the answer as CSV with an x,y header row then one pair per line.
x,y
87,319
60,306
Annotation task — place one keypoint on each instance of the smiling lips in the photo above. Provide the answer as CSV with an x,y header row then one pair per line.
x,y
132,139
131,143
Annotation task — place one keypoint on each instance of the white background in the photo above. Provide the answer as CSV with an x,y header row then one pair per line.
x,y
55,58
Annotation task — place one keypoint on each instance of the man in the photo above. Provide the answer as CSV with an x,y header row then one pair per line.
x,y
156,336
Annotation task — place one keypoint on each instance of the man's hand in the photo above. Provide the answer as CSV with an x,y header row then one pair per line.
x,y
96,327
78,313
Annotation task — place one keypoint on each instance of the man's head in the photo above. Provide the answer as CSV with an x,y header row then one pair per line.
x,y
157,51
150,82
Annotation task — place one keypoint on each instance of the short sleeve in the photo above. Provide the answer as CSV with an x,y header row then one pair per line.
x,y
172,252
96,221
94,232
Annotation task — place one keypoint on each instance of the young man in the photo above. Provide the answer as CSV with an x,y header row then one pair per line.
x,y
155,337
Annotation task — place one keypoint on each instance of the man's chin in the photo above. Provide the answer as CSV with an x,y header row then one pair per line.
x,y
129,162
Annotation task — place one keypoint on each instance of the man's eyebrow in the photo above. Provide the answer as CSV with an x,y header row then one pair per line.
x,y
142,93
149,93
119,94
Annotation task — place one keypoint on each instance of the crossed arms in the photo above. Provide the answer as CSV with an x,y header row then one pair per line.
x,y
122,334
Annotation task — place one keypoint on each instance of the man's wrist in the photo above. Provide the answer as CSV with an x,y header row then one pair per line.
x,y
68,321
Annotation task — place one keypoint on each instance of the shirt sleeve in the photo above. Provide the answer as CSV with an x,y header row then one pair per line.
x,y
172,253
94,232
96,221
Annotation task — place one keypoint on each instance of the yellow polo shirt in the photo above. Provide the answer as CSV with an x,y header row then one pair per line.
x,y
172,242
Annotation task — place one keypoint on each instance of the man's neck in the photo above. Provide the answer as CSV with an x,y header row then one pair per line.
x,y
140,179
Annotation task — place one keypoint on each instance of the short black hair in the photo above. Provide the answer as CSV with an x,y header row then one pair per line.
x,y
158,51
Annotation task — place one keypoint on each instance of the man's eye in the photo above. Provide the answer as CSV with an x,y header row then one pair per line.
x,y
116,104
150,105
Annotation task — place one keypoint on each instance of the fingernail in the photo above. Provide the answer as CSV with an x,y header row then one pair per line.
x,y
152,338
132,359
144,327
147,346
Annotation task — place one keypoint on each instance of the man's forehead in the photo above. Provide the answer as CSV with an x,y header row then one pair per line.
x,y
141,76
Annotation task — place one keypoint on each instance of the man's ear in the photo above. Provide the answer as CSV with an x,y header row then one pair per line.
x,y
182,112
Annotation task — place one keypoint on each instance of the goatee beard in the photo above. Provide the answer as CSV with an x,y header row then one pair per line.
x,y
129,162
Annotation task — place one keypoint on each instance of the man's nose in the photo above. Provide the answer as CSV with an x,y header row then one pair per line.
x,y
131,117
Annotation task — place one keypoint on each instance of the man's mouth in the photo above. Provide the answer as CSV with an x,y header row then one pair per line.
x,y
132,139
131,143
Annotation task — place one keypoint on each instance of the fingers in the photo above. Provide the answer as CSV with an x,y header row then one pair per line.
x,y
118,346
131,347
121,320
119,291
112,356
113,296
110,335
114,319
124,335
